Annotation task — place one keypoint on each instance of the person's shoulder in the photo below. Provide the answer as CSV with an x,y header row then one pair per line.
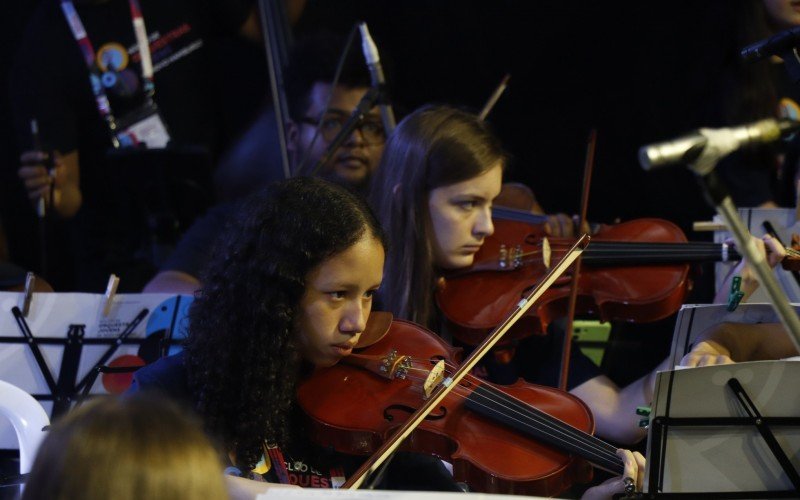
x,y
167,375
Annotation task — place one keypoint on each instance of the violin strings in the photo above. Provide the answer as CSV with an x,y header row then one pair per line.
x,y
531,419
597,451
559,432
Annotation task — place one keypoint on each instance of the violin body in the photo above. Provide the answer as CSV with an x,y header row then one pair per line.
x,y
625,288
354,410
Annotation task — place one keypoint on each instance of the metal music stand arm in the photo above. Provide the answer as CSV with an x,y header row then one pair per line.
x,y
37,353
90,377
766,433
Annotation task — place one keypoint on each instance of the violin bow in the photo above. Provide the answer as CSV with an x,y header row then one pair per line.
x,y
498,92
449,383
566,350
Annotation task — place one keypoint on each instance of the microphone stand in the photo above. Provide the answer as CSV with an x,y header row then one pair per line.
x,y
373,59
387,113
366,103
717,195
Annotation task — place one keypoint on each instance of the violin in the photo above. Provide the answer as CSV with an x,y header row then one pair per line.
x,y
522,438
636,271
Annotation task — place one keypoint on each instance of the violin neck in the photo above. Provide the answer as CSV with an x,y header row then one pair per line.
x,y
496,405
616,253
517,215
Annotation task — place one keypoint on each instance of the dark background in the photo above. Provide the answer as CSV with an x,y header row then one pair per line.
x,y
636,71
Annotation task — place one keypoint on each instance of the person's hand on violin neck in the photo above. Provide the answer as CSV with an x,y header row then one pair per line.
x,y
632,478
519,196
564,226
767,246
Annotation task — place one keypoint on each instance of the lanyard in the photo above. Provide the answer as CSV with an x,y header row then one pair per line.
x,y
276,458
100,97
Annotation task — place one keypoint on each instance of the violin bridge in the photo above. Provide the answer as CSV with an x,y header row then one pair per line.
x,y
546,253
434,378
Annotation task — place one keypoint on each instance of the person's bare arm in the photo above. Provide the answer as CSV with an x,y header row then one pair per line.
x,y
740,342
614,408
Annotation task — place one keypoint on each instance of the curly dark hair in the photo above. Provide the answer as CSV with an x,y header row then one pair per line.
x,y
241,362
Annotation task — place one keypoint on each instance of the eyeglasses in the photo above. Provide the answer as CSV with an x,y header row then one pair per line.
x,y
371,130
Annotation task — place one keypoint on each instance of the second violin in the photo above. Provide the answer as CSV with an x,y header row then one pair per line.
x,y
635,271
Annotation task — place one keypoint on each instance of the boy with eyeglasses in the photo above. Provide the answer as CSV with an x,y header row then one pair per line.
x,y
255,160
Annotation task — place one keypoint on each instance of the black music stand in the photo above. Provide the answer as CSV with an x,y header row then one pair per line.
x,y
661,425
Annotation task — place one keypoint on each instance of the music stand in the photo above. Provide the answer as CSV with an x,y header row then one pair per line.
x,y
725,431
57,352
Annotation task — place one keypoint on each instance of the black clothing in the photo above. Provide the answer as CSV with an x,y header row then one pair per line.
x,y
193,252
537,359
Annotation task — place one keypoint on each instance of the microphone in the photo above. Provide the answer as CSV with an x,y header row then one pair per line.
x,y
706,146
777,44
376,74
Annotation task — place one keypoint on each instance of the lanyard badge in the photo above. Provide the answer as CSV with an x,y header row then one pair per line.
x,y
144,125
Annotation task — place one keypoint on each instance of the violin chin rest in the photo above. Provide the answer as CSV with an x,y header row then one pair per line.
x,y
377,326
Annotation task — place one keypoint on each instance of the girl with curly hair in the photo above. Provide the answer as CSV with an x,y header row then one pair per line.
x,y
289,288
440,172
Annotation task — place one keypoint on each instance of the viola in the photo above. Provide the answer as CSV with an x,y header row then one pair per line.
x,y
522,439
636,271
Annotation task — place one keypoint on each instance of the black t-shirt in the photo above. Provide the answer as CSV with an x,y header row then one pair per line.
x,y
194,250
50,82
537,359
